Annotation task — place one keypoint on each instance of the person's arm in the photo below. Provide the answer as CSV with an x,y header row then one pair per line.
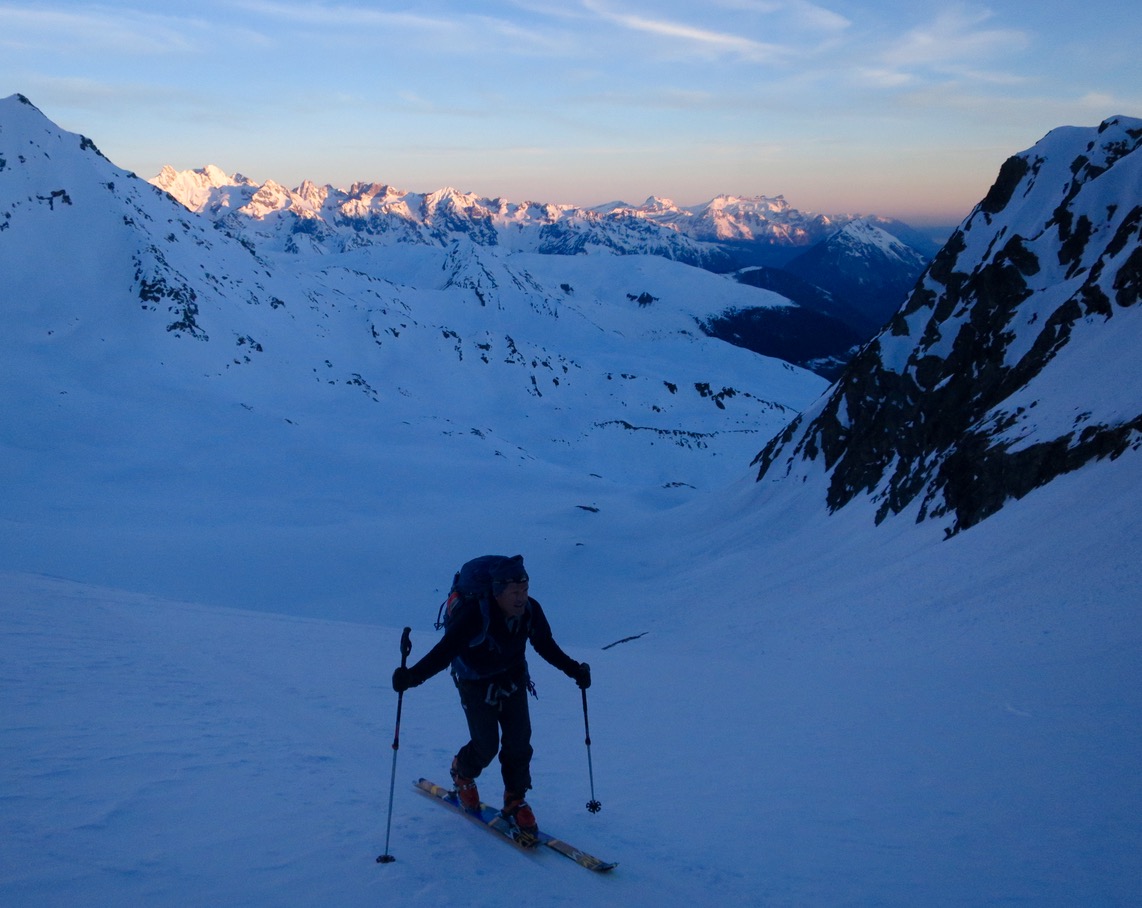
x,y
455,638
544,643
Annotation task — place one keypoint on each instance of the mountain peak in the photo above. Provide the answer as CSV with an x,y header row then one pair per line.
x,y
862,232
1002,371
19,99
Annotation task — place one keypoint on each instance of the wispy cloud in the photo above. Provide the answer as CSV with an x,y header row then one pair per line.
x,y
698,40
461,29
957,42
122,31
342,15
663,98
800,13
884,77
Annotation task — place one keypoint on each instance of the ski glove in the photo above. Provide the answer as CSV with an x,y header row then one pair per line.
x,y
582,675
402,680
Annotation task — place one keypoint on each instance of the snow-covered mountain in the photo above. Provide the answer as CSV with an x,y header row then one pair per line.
x,y
212,447
325,219
734,219
1010,363
125,309
717,235
856,262
865,266
846,286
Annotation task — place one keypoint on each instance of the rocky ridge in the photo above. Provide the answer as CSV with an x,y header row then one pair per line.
x,y
1010,363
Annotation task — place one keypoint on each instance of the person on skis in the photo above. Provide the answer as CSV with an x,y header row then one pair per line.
x,y
485,641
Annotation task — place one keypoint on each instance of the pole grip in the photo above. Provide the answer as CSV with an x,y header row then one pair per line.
x,y
405,646
405,649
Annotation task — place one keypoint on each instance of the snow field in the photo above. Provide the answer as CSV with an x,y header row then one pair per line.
x,y
948,728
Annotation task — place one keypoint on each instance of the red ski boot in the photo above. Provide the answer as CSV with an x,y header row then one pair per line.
x,y
466,791
519,812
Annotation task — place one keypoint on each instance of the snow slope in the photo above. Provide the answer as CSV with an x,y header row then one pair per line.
x,y
825,717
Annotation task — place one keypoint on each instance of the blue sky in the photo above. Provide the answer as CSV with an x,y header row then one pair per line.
x,y
870,106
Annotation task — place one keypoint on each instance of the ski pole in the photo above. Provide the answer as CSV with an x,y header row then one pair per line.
x,y
592,805
405,649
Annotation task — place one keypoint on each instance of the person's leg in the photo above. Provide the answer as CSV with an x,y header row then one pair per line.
x,y
515,747
483,730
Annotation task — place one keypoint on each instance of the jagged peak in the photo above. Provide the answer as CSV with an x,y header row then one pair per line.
x,y
759,203
211,175
273,186
863,231
217,176
313,194
366,189
449,193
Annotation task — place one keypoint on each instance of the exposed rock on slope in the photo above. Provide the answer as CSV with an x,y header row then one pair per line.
x,y
1012,361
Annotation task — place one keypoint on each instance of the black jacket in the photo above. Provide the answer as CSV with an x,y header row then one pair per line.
x,y
480,643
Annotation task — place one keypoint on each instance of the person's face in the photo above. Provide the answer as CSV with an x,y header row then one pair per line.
x,y
513,599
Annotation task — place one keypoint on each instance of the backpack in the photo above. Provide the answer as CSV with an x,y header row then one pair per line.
x,y
473,582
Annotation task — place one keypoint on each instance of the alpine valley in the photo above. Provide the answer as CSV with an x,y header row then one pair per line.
x,y
844,523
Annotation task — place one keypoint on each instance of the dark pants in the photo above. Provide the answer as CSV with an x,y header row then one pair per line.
x,y
497,721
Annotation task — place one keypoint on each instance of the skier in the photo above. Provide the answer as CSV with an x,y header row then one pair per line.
x,y
485,641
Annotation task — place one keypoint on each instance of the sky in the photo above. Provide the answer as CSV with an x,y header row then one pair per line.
x,y
892,107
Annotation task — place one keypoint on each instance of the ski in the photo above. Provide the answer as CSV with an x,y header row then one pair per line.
x,y
493,820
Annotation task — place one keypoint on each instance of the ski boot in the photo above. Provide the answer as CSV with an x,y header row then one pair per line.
x,y
466,791
517,812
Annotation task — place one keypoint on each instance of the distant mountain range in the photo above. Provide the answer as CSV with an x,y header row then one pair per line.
x,y
718,233
855,271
